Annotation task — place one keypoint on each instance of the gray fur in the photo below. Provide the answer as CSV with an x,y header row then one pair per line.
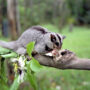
x,y
38,34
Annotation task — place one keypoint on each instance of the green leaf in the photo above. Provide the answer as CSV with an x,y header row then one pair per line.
x,y
32,66
4,51
15,84
13,54
35,66
30,48
31,78
3,78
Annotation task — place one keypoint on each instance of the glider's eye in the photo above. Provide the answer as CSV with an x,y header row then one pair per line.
x,y
57,44
53,38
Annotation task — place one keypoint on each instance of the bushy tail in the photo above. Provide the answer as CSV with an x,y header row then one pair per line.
x,y
8,45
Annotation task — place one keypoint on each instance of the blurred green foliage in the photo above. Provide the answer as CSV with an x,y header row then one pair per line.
x,y
80,10
57,12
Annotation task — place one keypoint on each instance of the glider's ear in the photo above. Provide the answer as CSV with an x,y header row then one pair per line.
x,y
63,37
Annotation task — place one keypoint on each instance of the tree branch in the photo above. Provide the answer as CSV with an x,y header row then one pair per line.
x,y
67,60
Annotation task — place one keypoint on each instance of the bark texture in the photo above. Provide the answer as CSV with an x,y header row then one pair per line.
x,y
67,60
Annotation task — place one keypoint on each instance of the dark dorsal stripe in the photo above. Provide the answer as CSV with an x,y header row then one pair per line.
x,y
59,38
39,28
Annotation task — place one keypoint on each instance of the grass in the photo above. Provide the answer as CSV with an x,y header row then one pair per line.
x,y
77,41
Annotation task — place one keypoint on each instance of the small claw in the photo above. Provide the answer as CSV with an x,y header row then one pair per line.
x,y
34,53
28,58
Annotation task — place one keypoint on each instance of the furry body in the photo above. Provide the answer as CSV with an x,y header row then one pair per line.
x,y
41,36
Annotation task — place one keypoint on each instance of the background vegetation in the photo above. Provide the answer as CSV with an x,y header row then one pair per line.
x,y
68,17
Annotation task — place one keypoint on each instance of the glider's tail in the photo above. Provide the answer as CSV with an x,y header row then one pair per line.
x,y
8,45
